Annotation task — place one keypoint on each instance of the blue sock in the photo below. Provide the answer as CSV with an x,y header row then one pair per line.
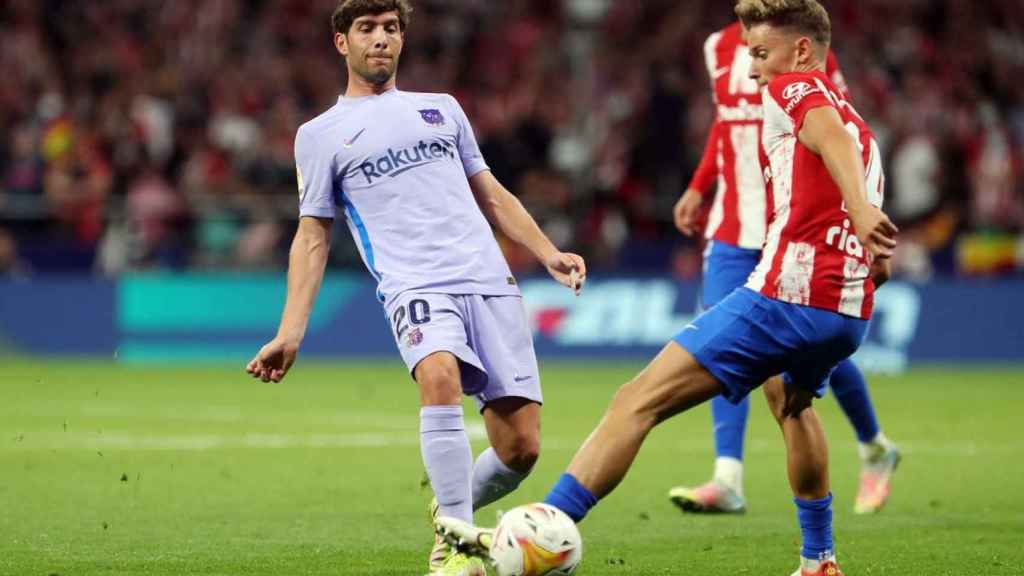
x,y
851,391
815,518
730,426
571,497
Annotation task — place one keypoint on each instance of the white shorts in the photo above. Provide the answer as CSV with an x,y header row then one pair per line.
x,y
490,335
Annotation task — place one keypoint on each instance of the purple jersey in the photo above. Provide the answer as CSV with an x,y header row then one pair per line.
x,y
398,166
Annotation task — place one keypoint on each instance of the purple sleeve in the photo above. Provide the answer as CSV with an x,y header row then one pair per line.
x,y
316,177
472,159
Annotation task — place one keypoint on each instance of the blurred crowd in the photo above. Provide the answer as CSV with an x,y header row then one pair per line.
x,y
141,134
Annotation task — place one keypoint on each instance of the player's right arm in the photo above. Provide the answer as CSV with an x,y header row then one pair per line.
x,y
306,263
307,259
686,213
687,209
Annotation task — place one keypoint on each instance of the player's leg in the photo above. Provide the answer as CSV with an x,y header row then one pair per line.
x,y
728,350
726,268
431,337
673,382
513,428
807,468
851,391
444,443
879,455
806,446
730,427
447,455
500,335
430,332
826,338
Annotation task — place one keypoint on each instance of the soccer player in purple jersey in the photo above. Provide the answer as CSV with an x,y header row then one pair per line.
x,y
405,170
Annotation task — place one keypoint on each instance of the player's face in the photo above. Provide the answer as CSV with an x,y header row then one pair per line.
x,y
774,52
372,47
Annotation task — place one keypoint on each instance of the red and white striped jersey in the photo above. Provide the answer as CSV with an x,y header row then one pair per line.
x,y
738,215
811,254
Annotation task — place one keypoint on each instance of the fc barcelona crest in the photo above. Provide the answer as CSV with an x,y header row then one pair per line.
x,y
432,116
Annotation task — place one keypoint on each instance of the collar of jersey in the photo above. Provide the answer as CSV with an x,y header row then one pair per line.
x,y
342,98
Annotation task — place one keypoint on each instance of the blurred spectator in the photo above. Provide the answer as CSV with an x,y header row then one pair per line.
x,y
159,134
10,263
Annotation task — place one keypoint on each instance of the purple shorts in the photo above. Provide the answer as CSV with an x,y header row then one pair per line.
x,y
490,335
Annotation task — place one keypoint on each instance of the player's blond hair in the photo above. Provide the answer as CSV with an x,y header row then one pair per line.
x,y
804,16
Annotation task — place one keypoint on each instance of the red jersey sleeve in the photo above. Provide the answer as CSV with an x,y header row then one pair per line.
x,y
707,170
798,94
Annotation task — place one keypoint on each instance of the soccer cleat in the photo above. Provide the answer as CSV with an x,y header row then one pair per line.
x,y
876,480
459,564
826,568
710,498
465,537
439,554
445,559
441,550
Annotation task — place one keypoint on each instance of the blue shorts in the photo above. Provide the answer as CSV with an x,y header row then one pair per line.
x,y
726,268
748,338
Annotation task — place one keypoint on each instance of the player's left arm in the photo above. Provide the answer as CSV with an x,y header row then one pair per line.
x,y
506,213
823,133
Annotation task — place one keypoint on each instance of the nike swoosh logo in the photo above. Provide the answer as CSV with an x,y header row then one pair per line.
x,y
350,142
720,72
522,378
691,327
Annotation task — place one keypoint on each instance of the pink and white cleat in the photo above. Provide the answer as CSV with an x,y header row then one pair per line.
x,y
710,498
876,480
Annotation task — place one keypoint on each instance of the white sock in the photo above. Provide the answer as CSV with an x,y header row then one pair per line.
x,y
877,446
729,473
808,565
448,458
492,479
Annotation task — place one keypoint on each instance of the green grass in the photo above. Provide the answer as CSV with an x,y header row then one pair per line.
x,y
118,470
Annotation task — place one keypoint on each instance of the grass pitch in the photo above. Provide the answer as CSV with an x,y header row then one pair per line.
x,y
123,470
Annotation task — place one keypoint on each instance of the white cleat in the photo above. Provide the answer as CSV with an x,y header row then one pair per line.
x,y
876,480
447,560
465,537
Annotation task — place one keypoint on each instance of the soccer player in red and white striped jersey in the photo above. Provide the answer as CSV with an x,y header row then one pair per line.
x,y
737,217
735,234
803,319
811,255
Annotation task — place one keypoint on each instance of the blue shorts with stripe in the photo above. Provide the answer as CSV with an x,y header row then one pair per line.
x,y
747,338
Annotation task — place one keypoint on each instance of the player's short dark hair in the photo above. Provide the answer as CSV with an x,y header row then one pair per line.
x,y
805,16
349,10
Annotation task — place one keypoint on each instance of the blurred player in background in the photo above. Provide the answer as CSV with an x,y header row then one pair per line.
x,y
803,310
406,171
735,234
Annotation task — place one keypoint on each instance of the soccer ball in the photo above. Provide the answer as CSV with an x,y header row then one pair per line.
x,y
536,540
